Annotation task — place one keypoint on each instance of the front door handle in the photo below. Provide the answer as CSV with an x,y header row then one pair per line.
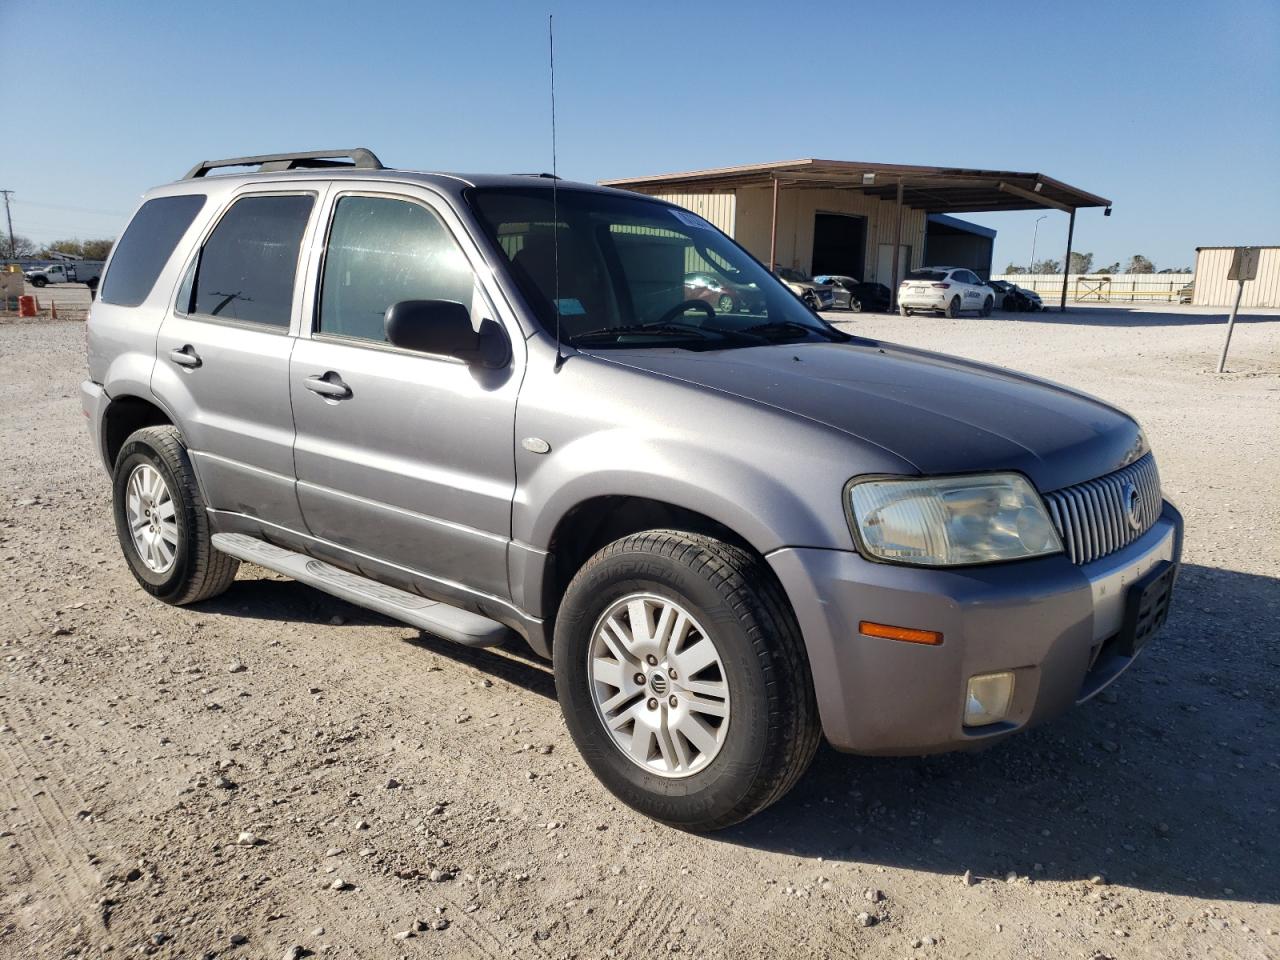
x,y
328,385
185,356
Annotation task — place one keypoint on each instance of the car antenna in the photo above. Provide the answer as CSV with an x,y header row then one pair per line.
x,y
555,206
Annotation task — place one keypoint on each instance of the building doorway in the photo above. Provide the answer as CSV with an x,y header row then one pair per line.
x,y
884,264
839,244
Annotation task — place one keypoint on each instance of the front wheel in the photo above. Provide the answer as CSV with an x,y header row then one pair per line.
x,y
683,679
39,282
161,520
855,305
987,305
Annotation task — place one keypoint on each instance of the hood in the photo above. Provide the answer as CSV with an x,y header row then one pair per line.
x,y
941,414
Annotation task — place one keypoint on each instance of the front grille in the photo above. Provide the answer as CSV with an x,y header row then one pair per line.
x,y
1093,517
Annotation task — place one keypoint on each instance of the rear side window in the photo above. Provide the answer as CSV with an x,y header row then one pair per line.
x,y
247,267
382,251
146,246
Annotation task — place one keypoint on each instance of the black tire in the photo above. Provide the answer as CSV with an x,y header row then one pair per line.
x,y
810,300
904,311
724,304
39,282
987,305
1009,304
774,722
92,284
855,305
198,571
953,308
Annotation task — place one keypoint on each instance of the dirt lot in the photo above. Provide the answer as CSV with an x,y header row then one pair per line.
x,y
276,769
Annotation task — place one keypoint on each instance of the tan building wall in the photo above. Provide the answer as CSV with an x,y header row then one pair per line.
x,y
796,209
747,213
1213,289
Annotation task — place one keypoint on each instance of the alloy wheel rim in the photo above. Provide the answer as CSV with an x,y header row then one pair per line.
x,y
152,516
658,685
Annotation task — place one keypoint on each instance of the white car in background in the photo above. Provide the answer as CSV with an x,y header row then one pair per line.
x,y
946,290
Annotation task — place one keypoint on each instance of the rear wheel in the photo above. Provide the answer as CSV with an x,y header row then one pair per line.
x,y
953,308
683,679
987,306
161,520
904,311
39,282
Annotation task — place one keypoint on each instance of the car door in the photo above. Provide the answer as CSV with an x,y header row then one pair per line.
x,y
403,457
222,364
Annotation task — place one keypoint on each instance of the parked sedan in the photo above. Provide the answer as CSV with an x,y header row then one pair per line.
x,y
724,295
816,296
855,295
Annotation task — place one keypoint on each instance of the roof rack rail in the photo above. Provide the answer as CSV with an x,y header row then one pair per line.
x,y
545,176
359,158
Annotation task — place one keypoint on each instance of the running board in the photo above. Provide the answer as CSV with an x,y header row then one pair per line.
x,y
441,619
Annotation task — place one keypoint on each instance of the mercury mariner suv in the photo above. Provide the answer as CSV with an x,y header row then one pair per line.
x,y
486,406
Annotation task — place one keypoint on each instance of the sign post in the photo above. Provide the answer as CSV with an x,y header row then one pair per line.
x,y
1244,266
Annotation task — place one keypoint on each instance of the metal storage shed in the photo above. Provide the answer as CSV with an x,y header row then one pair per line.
x,y
1213,289
796,212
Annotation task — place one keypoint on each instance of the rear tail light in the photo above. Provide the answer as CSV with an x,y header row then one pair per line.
x,y
941,286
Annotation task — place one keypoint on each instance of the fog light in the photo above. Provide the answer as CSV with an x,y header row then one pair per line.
x,y
988,699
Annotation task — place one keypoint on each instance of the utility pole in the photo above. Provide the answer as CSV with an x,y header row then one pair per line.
x,y
13,247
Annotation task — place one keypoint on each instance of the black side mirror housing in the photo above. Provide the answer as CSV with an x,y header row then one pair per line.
x,y
443,327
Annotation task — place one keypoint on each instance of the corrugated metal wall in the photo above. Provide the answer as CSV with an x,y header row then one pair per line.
x,y
1213,289
796,209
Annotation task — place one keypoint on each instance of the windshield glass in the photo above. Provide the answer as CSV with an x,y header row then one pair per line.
x,y
927,275
635,272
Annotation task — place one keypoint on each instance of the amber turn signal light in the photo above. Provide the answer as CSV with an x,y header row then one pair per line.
x,y
905,634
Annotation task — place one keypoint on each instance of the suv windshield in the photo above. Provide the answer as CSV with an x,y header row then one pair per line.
x,y
634,272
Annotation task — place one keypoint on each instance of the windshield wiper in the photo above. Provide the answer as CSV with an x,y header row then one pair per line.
x,y
662,329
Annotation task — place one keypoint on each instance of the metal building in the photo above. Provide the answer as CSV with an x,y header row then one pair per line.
x,y
1213,289
866,220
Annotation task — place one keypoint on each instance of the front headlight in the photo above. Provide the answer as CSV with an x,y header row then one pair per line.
x,y
947,521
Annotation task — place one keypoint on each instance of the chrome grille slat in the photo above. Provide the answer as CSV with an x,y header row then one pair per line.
x,y
1092,518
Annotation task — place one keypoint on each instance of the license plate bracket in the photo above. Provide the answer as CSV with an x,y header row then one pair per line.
x,y
1146,607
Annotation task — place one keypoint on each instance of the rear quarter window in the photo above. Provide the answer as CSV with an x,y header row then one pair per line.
x,y
146,246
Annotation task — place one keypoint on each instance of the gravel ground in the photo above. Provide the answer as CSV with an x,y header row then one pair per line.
x,y
276,770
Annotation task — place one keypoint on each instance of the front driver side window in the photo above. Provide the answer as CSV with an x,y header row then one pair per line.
x,y
381,251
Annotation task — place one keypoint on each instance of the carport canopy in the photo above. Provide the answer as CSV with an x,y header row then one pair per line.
x,y
945,190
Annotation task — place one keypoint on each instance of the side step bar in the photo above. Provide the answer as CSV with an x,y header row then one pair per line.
x,y
441,619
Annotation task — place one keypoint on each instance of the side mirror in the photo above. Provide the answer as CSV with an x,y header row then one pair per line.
x,y
443,327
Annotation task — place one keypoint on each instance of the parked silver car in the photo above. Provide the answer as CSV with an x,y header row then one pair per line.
x,y
486,406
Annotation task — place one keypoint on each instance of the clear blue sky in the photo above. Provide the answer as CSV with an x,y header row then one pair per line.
x,y
1170,109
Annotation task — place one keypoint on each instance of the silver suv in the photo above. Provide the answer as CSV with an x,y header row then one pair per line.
x,y
487,407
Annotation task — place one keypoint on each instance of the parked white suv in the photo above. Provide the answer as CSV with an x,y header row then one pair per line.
x,y
946,290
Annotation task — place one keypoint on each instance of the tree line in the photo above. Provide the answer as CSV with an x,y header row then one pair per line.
x,y
1083,263
24,248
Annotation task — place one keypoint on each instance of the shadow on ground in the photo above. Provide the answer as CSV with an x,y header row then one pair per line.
x,y
1168,781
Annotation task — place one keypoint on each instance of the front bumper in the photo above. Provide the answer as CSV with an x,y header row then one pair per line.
x,y
1048,621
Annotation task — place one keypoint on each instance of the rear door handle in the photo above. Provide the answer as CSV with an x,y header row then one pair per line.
x,y
328,385
185,356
